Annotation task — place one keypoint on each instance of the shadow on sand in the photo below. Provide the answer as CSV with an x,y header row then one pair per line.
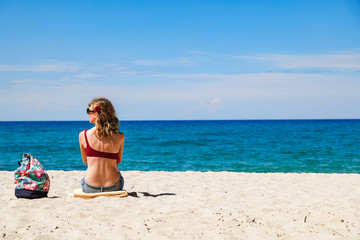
x,y
146,194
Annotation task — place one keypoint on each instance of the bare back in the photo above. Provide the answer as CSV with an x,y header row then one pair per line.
x,y
101,171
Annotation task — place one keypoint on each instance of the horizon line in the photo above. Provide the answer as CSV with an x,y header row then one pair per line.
x,y
169,120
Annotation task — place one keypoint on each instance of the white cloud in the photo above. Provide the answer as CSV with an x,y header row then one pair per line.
x,y
225,96
57,67
113,66
214,103
88,75
41,105
349,61
165,62
30,83
161,95
196,75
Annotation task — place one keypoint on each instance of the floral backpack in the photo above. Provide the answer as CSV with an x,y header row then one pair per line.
x,y
31,180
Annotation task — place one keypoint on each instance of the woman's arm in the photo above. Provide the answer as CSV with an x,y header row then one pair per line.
x,y
82,148
121,147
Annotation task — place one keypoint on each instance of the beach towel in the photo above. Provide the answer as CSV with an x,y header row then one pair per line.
x,y
31,180
79,193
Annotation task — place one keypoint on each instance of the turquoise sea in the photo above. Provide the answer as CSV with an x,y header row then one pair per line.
x,y
320,146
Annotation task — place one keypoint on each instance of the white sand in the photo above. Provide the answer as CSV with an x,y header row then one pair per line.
x,y
190,205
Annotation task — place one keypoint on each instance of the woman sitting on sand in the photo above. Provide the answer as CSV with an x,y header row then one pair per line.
x,y
102,148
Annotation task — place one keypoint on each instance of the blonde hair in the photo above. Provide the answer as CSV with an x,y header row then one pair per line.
x,y
107,122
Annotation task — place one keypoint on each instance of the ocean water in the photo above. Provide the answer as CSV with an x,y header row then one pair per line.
x,y
320,146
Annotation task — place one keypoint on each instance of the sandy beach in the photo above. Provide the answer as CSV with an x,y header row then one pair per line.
x,y
190,205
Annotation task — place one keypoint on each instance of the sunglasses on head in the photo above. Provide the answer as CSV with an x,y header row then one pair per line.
x,y
88,111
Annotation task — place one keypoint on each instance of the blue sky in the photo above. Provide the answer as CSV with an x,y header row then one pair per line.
x,y
166,60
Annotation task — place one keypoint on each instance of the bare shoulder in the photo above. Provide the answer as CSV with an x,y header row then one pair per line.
x,y
82,138
81,134
120,136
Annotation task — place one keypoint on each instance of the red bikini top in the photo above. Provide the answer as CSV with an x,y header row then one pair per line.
x,y
90,152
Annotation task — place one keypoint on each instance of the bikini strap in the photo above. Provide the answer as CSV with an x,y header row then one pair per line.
x,y
87,143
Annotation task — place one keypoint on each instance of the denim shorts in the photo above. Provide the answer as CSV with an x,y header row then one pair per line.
x,y
118,186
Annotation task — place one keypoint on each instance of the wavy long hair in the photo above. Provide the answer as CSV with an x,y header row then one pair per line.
x,y
107,122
